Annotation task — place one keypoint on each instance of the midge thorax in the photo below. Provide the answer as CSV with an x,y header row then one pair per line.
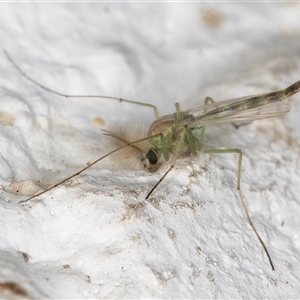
x,y
176,134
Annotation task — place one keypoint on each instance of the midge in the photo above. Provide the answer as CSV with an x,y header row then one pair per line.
x,y
173,135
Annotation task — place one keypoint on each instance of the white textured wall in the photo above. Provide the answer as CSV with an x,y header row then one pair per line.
x,y
97,237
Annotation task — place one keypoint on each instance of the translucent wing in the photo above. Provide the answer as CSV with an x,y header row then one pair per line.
x,y
244,109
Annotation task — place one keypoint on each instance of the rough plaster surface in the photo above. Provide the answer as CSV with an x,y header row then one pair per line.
x,y
96,236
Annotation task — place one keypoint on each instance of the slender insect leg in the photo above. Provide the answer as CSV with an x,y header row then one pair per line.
x,y
255,231
183,135
207,100
202,135
239,152
77,96
229,150
87,167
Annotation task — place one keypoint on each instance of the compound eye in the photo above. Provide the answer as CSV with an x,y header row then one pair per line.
x,y
152,157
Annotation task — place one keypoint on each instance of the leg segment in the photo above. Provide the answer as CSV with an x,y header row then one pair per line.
x,y
78,96
172,162
202,135
127,144
230,150
239,152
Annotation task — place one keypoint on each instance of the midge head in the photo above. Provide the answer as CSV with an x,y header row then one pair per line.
x,y
168,135
136,149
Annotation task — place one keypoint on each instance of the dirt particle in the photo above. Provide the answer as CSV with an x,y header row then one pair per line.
x,y
25,187
13,288
88,278
66,266
171,234
7,119
98,122
25,256
212,18
133,210
210,276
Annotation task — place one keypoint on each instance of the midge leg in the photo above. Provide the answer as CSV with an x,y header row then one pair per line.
x,y
78,96
127,144
202,135
172,165
238,187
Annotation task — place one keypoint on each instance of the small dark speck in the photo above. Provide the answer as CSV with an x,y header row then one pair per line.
x,y
88,278
66,266
24,255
